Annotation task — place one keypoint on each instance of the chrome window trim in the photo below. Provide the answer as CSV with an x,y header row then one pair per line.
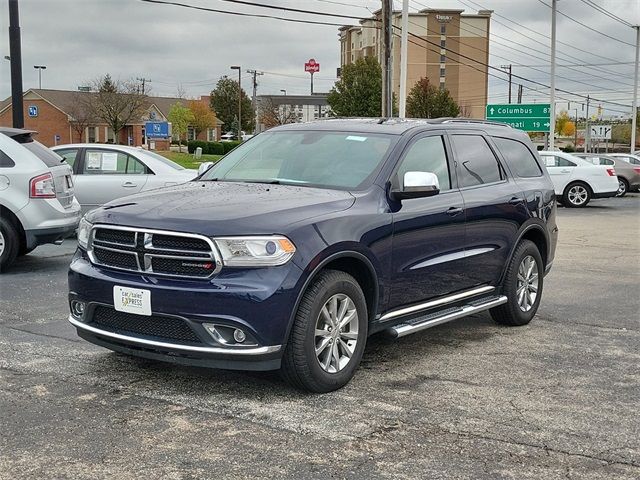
x,y
213,255
174,346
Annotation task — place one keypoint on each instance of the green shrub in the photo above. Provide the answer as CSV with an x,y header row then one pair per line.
x,y
215,148
193,144
228,146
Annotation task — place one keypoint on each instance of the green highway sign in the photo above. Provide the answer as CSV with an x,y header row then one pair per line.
x,y
531,117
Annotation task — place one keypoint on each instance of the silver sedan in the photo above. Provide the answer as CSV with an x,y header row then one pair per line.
x,y
102,173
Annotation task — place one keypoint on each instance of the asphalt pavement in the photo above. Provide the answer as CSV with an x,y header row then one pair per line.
x,y
558,398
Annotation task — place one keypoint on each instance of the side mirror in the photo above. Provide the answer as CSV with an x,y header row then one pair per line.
x,y
418,185
204,167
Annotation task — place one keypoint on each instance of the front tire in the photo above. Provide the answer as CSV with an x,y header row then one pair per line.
x,y
576,195
522,286
328,335
9,244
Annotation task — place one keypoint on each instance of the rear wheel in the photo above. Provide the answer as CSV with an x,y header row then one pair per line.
x,y
576,195
328,335
623,187
522,286
9,244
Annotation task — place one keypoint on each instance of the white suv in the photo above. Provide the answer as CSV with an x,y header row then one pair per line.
x,y
577,181
37,204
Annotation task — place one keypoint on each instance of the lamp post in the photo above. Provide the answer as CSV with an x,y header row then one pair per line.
x,y
40,68
237,67
284,92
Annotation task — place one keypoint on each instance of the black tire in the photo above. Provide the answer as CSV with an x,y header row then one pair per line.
x,y
10,244
300,365
511,312
567,196
623,187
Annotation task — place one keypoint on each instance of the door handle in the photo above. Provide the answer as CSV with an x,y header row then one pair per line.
x,y
129,184
565,171
453,211
515,201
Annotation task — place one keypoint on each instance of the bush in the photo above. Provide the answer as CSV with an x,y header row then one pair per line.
x,y
569,149
208,148
228,146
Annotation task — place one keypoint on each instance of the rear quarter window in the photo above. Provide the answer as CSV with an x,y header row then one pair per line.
x,y
519,158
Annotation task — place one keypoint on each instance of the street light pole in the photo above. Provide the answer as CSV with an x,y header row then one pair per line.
x,y
634,110
552,93
40,68
239,68
15,56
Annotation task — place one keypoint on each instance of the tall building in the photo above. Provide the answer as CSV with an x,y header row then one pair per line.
x,y
448,47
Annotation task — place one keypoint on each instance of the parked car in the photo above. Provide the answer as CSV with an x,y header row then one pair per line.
x,y
37,203
577,181
632,158
228,137
105,172
628,175
308,238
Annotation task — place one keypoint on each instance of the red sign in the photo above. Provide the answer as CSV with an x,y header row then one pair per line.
x,y
312,66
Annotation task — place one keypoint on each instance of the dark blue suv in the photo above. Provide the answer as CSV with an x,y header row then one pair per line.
x,y
308,238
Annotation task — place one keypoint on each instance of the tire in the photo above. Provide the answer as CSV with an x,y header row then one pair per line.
x,y
9,244
513,312
576,195
301,366
623,187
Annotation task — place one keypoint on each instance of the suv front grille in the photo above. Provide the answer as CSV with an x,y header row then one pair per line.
x,y
161,327
154,252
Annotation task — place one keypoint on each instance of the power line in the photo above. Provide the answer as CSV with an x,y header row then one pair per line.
x,y
289,9
606,12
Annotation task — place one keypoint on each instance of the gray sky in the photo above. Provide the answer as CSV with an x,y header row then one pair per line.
x,y
80,39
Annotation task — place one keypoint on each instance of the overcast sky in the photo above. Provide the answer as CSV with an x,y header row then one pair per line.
x,y
174,47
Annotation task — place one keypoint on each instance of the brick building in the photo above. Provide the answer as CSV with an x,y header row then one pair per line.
x,y
51,113
448,47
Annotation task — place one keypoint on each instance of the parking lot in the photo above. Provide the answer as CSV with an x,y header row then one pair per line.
x,y
468,399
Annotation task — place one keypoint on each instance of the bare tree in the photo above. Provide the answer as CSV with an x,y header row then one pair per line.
x,y
80,118
117,103
465,111
272,115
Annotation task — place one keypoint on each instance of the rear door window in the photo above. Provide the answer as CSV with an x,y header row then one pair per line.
x,y
518,157
476,162
108,162
69,155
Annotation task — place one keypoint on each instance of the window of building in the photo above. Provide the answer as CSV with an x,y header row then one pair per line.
x,y
519,158
477,163
443,28
427,155
443,58
211,135
191,133
441,72
92,134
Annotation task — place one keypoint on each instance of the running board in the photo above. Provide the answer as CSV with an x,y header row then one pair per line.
x,y
436,318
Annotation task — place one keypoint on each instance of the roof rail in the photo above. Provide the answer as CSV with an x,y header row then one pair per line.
x,y
473,120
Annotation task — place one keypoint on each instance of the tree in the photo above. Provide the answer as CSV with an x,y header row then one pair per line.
x,y
569,129
203,117
358,93
117,103
561,121
272,115
224,102
180,118
427,101
80,118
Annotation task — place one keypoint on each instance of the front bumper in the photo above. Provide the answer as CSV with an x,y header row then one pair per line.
x,y
258,301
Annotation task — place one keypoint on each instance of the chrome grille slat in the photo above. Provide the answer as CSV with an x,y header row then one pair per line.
x,y
193,264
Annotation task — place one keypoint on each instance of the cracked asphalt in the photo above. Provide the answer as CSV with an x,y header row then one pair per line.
x,y
558,398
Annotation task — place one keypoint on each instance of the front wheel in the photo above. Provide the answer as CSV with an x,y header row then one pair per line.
x,y
576,195
328,335
522,286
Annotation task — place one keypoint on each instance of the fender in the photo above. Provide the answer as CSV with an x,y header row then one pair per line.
x,y
531,224
319,267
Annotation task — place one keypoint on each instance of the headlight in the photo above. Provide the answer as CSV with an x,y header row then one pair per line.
x,y
83,232
255,251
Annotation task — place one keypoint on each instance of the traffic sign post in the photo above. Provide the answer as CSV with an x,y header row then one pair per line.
x,y
312,67
533,117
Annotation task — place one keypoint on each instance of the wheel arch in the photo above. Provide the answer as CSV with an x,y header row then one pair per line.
x,y
536,233
7,213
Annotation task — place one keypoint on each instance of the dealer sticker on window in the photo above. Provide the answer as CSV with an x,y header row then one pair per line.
x,y
132,300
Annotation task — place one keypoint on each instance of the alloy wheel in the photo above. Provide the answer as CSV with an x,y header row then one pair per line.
x,y
336,333
1,243
528,283
622,188
578,195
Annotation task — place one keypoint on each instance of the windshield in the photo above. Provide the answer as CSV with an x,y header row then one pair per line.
x,y
164,160
340,160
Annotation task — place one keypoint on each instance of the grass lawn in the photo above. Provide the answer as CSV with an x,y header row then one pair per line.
x,y
187,160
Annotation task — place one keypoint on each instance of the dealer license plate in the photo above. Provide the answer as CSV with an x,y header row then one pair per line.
x,y
132,300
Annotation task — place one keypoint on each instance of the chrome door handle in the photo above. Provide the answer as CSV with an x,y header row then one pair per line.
x,y
453,211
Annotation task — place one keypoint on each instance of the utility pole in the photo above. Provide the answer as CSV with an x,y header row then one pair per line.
x,y
634,110
404,61
143,81
508,68
575,134
15,54
586,127
387,37
552,93
254,98
520,93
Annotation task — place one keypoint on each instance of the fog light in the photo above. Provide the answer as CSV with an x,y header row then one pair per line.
x,y
239,336
77,308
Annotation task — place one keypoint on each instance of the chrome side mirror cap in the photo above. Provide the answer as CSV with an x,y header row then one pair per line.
x,y
418,185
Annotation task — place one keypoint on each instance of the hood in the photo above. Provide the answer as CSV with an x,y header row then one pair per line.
x,y
223,208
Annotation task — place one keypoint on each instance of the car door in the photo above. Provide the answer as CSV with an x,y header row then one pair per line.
x,y
106,174
494,207
428,233
560,170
